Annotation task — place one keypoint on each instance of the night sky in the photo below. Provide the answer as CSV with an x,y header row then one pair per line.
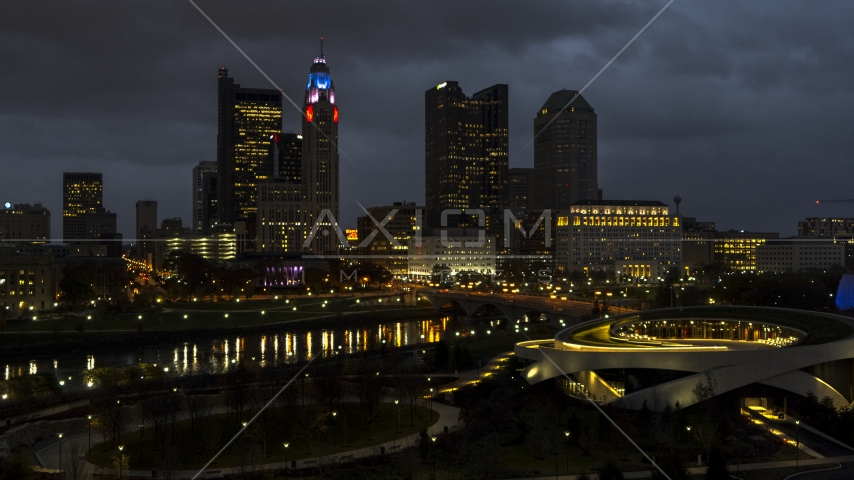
x,y
742,108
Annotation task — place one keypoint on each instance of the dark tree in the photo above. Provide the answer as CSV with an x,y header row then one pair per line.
x,y
76,286
441,355
610,471
717,465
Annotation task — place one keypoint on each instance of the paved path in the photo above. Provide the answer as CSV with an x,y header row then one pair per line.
x,y
48,457
477,374
734,469
62,407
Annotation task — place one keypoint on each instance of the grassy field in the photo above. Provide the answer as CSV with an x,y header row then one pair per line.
x,y
211,315
191,452
776,473
108,331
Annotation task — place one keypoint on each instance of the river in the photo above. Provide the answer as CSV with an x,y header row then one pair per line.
x,y
291,344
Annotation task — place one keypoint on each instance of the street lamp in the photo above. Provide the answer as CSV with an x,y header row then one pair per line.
x,y
798,440
90,432
397,424
334,414
433,474
60,454
567,450
286,444
121,462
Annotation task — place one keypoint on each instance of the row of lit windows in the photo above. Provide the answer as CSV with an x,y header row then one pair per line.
x,y
620,210
621,221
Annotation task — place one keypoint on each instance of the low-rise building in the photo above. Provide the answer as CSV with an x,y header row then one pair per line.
x,y
737,248
28,283
627,238
798,255
826,227
24,223
458,251
173,237
402,221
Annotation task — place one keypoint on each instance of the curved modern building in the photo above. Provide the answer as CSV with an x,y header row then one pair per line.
x,y
658,357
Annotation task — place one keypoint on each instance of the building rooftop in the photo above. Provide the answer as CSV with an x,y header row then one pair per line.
x,y
560,98
621,203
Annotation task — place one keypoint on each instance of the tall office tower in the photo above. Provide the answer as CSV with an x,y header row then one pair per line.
x,y
82,194
24,223
146,224
204,196
466,154
565,158
296,208
247,118
286,157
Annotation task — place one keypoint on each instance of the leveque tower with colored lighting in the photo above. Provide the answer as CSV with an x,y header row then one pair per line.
x,y
320,154
297,212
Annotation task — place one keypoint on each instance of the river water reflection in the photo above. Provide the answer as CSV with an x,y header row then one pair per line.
x,y
210,355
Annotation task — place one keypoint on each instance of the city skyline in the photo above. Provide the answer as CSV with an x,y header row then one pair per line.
x,y
680,137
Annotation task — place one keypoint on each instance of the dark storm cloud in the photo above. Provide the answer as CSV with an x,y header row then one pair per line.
x,y
741,108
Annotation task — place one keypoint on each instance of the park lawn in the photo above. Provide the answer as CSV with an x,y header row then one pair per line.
x,y
522,460
777,473
484,347
226,315
189,450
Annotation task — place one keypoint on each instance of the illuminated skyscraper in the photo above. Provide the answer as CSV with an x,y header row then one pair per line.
x,y
82,194
247,119
466,154
298,207
565,153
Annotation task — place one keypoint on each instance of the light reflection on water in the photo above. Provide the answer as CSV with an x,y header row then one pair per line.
x,y
214,356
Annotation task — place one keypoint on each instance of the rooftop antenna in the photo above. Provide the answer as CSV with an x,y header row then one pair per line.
x,y
321,47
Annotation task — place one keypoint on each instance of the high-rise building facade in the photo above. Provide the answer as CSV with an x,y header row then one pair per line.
x,y
520,183
565,152
247,119
82,194
204,196
286,157
298,208
146,224
466,156
25,223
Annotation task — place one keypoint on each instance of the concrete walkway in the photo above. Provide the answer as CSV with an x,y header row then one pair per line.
x,y
63,407
448,418
477,374
733,469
